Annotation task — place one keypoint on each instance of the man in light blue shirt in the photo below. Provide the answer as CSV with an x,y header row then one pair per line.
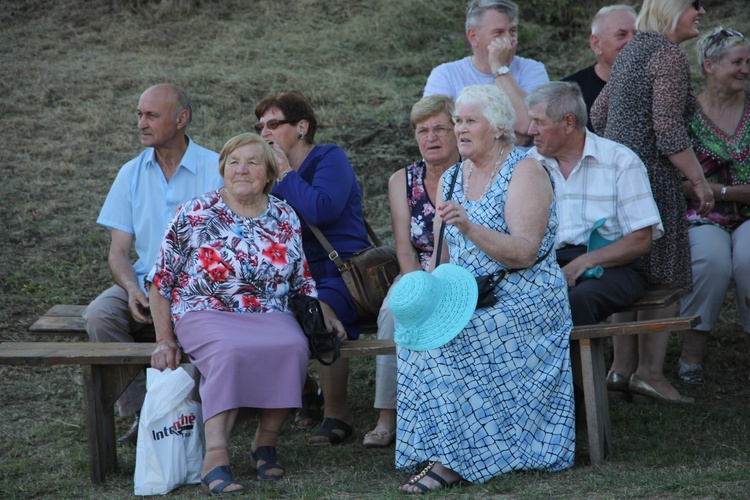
x,y
140,204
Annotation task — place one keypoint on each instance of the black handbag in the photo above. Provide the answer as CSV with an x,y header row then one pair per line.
x,y
487,282
310,318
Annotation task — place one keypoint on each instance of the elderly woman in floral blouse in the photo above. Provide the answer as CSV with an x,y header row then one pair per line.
x,y
221,285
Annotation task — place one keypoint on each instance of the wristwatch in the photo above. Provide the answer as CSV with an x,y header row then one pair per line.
x,y
502,70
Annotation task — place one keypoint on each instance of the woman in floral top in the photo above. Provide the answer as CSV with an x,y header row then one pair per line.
x,y
411,192
229,263
719,240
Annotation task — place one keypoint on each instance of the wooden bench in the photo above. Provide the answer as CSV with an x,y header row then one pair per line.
x,y
108,368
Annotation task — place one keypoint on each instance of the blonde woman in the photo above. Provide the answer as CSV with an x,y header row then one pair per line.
x,y
647,106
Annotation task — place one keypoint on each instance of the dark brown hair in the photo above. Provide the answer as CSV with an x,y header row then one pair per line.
x,y
295,108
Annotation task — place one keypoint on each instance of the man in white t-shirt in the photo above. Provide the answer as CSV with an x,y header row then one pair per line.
x,y
492,31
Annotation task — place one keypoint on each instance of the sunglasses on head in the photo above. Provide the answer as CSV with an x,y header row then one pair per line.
x,y
270,125
717,38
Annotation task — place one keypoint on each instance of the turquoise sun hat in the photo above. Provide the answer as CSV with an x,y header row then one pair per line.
x,y
430,309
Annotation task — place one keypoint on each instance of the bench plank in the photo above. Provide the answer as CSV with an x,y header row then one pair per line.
x,y
108,368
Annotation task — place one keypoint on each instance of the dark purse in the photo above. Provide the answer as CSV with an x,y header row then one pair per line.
x,y
487,282
310,318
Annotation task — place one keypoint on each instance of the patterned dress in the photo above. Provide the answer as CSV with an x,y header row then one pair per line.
x,y
499,396
647,106
422,212
725,160
229,279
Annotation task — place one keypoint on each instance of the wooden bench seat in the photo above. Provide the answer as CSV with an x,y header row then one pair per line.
x,y
67,320
108,368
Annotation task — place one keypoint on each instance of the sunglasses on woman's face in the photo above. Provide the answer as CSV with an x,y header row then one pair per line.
x,y
270,125
697,5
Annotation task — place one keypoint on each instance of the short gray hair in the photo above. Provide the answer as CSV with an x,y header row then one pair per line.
x,y
560,98
715,44
605,11
476,9
496,107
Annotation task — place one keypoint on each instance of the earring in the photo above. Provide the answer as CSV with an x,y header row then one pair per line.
x,y
299,136
497,137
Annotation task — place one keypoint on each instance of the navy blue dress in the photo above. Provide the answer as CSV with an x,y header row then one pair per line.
x,y
324,191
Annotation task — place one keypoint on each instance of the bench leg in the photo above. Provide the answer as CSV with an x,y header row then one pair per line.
x,y
596,400
102,385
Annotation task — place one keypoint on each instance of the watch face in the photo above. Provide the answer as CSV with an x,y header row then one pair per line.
x,y
502,70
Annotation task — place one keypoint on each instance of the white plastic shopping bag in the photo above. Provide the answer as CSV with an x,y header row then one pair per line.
x,y
170,446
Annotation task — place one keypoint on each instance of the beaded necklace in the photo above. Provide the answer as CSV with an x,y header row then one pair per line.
x,y
495,170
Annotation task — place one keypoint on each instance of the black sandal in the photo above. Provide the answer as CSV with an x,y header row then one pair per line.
x,y
309,415
427,472
268,455
327,429
223,473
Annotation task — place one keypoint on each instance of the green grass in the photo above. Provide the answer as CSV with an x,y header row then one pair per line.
x,y
72,74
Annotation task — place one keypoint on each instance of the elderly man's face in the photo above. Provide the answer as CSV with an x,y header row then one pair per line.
x,y
157,121
614,31
549,136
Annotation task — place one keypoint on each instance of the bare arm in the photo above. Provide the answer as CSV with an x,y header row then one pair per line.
x,y
686,162
526,214
502,51
621,252
408,259
167,352
124,275
737,194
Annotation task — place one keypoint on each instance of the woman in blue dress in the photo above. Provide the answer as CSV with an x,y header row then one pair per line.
x,y
499,396
319,183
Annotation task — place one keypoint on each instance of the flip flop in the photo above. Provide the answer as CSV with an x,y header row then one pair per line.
x,y
221,472
327,429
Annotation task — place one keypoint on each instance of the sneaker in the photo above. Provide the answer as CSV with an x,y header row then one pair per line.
x,y
130,437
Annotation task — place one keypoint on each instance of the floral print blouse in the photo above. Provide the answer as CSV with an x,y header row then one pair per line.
x,y
725,160
422,213
212,258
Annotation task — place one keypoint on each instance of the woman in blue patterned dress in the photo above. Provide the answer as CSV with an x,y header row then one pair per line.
x,y
499,396
230,261
411,191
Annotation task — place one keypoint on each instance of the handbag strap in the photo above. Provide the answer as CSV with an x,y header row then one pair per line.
x,y
442,223
332,253
442,230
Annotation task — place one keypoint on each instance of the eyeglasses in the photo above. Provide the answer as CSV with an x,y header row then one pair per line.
x,y
697,5
271,125
424,132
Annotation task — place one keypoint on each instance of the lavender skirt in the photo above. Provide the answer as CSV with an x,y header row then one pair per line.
x,y
246,360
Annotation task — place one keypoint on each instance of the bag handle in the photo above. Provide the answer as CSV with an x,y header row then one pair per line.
x,y
501,273
332,253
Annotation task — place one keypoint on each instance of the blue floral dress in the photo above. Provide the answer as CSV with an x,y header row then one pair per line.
x,y
499,396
